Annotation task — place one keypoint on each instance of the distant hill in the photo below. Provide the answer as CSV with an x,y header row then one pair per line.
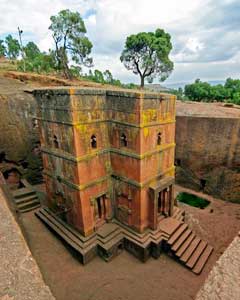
x,y
157,87
182,84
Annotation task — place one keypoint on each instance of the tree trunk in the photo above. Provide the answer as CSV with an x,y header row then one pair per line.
x,y
142,82
64,64
66,71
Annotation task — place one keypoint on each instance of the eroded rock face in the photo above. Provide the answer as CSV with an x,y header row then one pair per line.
x,y
208,155
18,133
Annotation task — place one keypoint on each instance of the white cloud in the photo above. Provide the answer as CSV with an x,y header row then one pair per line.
x,y
194,45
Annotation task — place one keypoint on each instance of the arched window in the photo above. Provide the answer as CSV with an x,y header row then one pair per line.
x,y
159,138
93,141
123,140
55,141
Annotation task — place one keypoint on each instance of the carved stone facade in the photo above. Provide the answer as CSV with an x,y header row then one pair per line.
x,y
108,155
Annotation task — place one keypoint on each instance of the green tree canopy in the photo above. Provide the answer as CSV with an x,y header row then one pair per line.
x,y
40,62
198,91
2,48
70,40
31,50
147,54
13,47
203,91
98,76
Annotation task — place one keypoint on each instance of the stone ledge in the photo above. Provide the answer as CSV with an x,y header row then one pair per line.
x,y
20,277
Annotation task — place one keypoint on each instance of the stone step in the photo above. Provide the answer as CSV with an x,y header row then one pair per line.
x,y
26,199
66,229
30,208
184,246
202,260
60,231
189,251
173,238
58,227
179,215
49,214
111,242
106,230
108,238
196,254
23,192
28,204
169,225
177,244
160,218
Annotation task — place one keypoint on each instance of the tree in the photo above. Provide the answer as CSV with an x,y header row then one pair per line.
x,y
70,40
108,78
13,47
2,48
198,91
98,76
146,54
219,93
31,50
37,61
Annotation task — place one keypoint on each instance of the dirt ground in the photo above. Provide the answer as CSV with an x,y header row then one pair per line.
x,y
125,277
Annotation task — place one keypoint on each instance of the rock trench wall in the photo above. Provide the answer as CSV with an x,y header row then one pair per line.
x,y
208,155
19,138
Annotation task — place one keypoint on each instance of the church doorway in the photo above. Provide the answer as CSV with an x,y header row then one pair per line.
x,y
164,202
100,210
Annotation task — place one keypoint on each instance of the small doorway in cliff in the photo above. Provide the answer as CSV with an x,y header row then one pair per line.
x,y
178,162
203,183
2,156
100,210
12,177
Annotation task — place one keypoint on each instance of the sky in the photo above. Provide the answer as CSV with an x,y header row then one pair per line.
x,y
205,33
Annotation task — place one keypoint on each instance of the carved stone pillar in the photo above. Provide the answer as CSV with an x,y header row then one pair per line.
x,y
171,200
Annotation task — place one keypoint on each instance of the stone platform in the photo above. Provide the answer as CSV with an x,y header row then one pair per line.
x,y
172,236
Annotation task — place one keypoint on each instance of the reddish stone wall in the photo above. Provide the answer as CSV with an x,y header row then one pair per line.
x,y
80,173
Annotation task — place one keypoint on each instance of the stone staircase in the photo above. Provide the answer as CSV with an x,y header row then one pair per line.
x,y
189,249
25,199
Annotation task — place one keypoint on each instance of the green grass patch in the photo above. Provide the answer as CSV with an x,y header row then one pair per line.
x,y
192,200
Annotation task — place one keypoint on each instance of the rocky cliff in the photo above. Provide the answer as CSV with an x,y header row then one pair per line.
x,y
18,133
208,149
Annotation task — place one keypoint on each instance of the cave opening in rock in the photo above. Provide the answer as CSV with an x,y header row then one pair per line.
x,y
55,141
203,183
2,156
12,177
178,162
